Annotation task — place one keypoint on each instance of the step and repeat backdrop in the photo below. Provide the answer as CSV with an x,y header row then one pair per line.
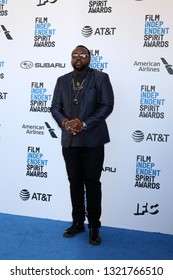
x,y
131,40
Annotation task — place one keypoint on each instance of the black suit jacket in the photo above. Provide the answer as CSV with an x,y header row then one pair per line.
x,y
96,105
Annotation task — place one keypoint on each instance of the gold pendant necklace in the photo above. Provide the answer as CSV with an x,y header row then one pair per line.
x,y
78,85
77,90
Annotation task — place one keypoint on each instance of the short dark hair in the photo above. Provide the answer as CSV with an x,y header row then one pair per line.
x,y
81,46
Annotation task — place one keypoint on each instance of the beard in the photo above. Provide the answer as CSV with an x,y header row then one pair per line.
x,y
80,67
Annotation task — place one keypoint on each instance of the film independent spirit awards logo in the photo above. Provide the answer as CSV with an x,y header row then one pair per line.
x,y
3,10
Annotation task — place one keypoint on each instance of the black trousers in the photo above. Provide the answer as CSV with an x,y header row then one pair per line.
x,y
84,166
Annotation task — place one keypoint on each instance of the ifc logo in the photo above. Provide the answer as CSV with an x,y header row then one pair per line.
x,y
87,31
138,136
24,194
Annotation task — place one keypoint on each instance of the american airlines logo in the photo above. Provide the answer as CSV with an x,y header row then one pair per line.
x,y
6,32
168,66
51,130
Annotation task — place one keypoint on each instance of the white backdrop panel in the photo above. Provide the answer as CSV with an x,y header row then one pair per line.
x,y
140,144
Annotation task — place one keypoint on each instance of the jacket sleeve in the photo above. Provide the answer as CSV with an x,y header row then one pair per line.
x,y
105,105
57,104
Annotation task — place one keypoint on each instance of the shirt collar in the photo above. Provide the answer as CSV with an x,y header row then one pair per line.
x,y
80,74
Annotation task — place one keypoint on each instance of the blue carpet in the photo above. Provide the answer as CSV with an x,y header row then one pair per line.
x,y
27,238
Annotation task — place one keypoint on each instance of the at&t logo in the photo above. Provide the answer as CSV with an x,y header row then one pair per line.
x,y
25,195
138,136
87,31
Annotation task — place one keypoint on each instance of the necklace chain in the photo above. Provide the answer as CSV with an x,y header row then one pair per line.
x,y
76,91
79,86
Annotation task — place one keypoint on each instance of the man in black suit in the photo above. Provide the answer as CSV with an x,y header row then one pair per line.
x,y
82,100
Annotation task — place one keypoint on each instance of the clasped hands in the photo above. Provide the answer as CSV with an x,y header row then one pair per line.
x,y
73,126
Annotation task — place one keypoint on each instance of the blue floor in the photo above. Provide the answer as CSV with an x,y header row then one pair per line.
x,y
27,238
